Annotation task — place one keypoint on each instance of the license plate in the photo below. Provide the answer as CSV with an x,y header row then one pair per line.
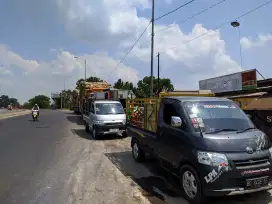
x,y
257,182
114,130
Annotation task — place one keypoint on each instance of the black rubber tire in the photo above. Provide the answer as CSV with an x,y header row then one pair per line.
x,y
199,197
124,134
87,129
140,157
94,134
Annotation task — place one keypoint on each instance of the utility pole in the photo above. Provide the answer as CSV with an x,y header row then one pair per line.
x,y
152,48
60,100
85,69
64,87
158,73
236,24
85,63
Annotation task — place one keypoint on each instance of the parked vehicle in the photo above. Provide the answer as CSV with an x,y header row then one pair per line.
x,y
209,143
105,117
259,107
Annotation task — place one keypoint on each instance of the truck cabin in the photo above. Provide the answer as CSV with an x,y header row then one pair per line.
x,y
143,112
208,138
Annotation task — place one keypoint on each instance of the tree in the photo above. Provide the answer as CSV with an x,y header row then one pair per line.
x,y
143,86
94,79
120,84
42,101
5,101
27,105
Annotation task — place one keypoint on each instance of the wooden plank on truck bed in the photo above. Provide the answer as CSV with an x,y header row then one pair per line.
x,y
151,115
135,109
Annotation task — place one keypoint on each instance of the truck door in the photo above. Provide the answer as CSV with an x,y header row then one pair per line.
x,y
91,115
171,140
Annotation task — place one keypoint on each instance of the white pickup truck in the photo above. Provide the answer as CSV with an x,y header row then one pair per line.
x,y
105,117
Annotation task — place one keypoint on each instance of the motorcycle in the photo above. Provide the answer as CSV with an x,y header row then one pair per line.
x,y
35,115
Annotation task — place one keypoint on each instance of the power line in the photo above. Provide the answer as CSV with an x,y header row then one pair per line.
x,y
241,16
191,17
166,14
217,27
131,48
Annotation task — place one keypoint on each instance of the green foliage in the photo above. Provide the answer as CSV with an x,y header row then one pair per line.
x,y
27,105
123,85
5,101
142,90
42,101
94,79
143,86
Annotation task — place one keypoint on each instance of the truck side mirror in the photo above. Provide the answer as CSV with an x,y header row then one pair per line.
x,y
176,121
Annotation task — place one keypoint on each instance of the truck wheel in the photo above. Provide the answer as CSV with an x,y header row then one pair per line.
x,y
137,153
124,134
191,185
87,129
94,133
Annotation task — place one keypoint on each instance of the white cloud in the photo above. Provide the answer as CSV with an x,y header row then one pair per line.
x,y
9,58
259,42
105,22
186,61
115,24
4,71
51,75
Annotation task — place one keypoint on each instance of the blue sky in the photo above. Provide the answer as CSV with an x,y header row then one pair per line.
x,y
39,39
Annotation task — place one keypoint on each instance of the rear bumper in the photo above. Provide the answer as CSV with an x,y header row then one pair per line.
x,y
108,129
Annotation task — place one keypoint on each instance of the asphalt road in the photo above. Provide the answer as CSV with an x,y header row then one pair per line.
x,y
55,161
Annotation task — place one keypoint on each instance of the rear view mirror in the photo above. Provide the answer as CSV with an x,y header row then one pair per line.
x,y
176,121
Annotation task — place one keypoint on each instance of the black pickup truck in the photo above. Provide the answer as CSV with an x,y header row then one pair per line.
x,y
210,144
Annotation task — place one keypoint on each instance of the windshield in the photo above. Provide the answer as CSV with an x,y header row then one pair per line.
x,y
211,116
108,108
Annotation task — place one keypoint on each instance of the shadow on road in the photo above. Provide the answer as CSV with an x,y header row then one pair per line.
x,y
83,134
75,119
149,176
159,186
72,113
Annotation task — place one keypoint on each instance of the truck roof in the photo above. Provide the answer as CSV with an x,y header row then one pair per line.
x,y
197,98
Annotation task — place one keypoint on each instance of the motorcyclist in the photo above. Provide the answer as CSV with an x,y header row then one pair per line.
x,y
36,108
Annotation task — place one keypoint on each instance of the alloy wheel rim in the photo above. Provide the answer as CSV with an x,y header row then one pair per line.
x,y
94,133
135,150
189,184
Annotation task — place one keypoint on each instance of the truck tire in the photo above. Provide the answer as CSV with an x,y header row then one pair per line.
x,y
191,185
94,133
124,134
87,129
137,153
